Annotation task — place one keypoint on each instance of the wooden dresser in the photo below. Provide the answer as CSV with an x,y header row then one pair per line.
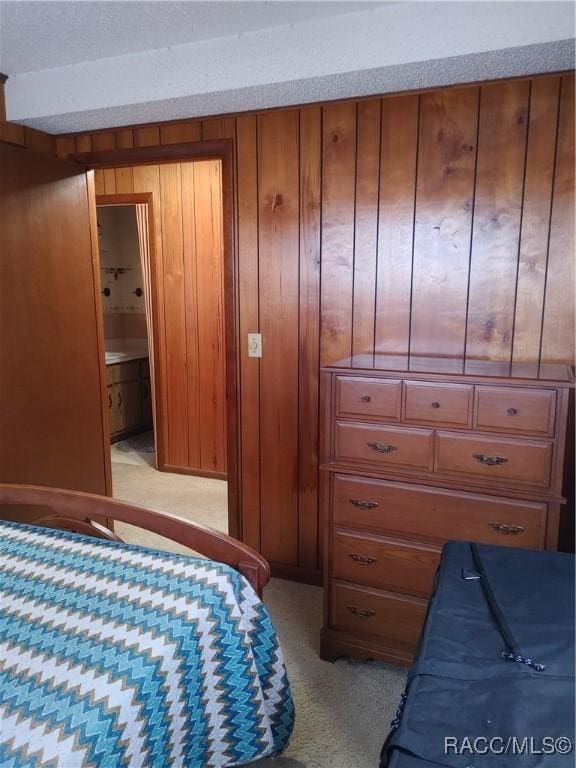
x,y
415,455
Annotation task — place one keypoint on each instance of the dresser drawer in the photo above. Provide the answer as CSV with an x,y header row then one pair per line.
x,y
372,398
438,403
498,459
392,564
515,410
433,513
384,446
362,611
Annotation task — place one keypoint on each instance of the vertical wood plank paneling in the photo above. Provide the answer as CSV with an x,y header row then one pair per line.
x,y
248,288
497,213
177,133
558,321
125,138
219,128
84,142
124,180
191,310
209,254
535,219
364,230
366,226
278,252
146,178
444,198
103,141
396,224
175,316
99,186
309,334
109,181
65,145
338,189
148,136
187,351
39,141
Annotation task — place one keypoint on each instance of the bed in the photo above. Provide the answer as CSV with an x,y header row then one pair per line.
x,y
492,685
117,655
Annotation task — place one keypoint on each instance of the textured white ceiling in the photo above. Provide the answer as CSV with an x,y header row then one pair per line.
x,y
43,35
163,61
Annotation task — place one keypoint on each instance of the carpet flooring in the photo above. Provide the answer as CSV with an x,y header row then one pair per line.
x,y
343,710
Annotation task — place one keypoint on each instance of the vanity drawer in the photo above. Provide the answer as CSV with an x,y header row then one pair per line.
x,y
438,403
435,513
129,371
393,564
361,611
515,410
502,460
373,398
384,446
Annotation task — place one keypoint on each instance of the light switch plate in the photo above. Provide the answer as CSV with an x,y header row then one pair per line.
x,y
254,345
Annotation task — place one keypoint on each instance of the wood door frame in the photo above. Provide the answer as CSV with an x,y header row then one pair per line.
x,y
146,198
223,150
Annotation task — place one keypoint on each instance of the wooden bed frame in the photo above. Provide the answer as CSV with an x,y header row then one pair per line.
x,y
74,510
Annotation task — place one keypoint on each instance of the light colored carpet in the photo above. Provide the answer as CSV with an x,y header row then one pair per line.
x,y
343,710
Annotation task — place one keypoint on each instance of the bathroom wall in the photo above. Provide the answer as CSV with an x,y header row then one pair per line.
x,y
120,273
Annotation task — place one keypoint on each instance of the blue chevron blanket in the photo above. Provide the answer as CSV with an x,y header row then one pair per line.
x,y
115,655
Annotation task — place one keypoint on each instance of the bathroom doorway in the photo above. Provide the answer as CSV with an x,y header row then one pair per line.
x,y
125,245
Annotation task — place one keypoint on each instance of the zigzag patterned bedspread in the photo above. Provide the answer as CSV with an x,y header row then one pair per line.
x,y
114,655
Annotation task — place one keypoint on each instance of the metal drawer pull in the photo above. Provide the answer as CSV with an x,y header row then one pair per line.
x,y
363,504
491,461
507,529
512,411
366,398
362,559
362,612
435,405
382,448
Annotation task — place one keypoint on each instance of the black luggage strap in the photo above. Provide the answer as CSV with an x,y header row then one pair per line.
x,y
513,652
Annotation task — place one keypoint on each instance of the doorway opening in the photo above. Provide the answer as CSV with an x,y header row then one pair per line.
x,y
161,231
124,245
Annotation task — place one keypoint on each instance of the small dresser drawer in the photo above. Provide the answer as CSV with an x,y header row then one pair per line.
x,y
504,409
384,446
393,564
449,404
373,398
362,611
434,513
500,459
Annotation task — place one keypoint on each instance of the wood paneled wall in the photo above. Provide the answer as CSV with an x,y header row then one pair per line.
x,y
188,277
438,223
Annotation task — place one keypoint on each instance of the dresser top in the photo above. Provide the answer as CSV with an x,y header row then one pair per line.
x,y
556,373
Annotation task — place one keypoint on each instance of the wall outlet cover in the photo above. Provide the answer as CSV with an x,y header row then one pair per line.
x,y
254,345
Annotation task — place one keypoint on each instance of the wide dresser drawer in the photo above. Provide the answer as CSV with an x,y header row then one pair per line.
x,y
361,611
384,446
392,564
497,459
417,511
